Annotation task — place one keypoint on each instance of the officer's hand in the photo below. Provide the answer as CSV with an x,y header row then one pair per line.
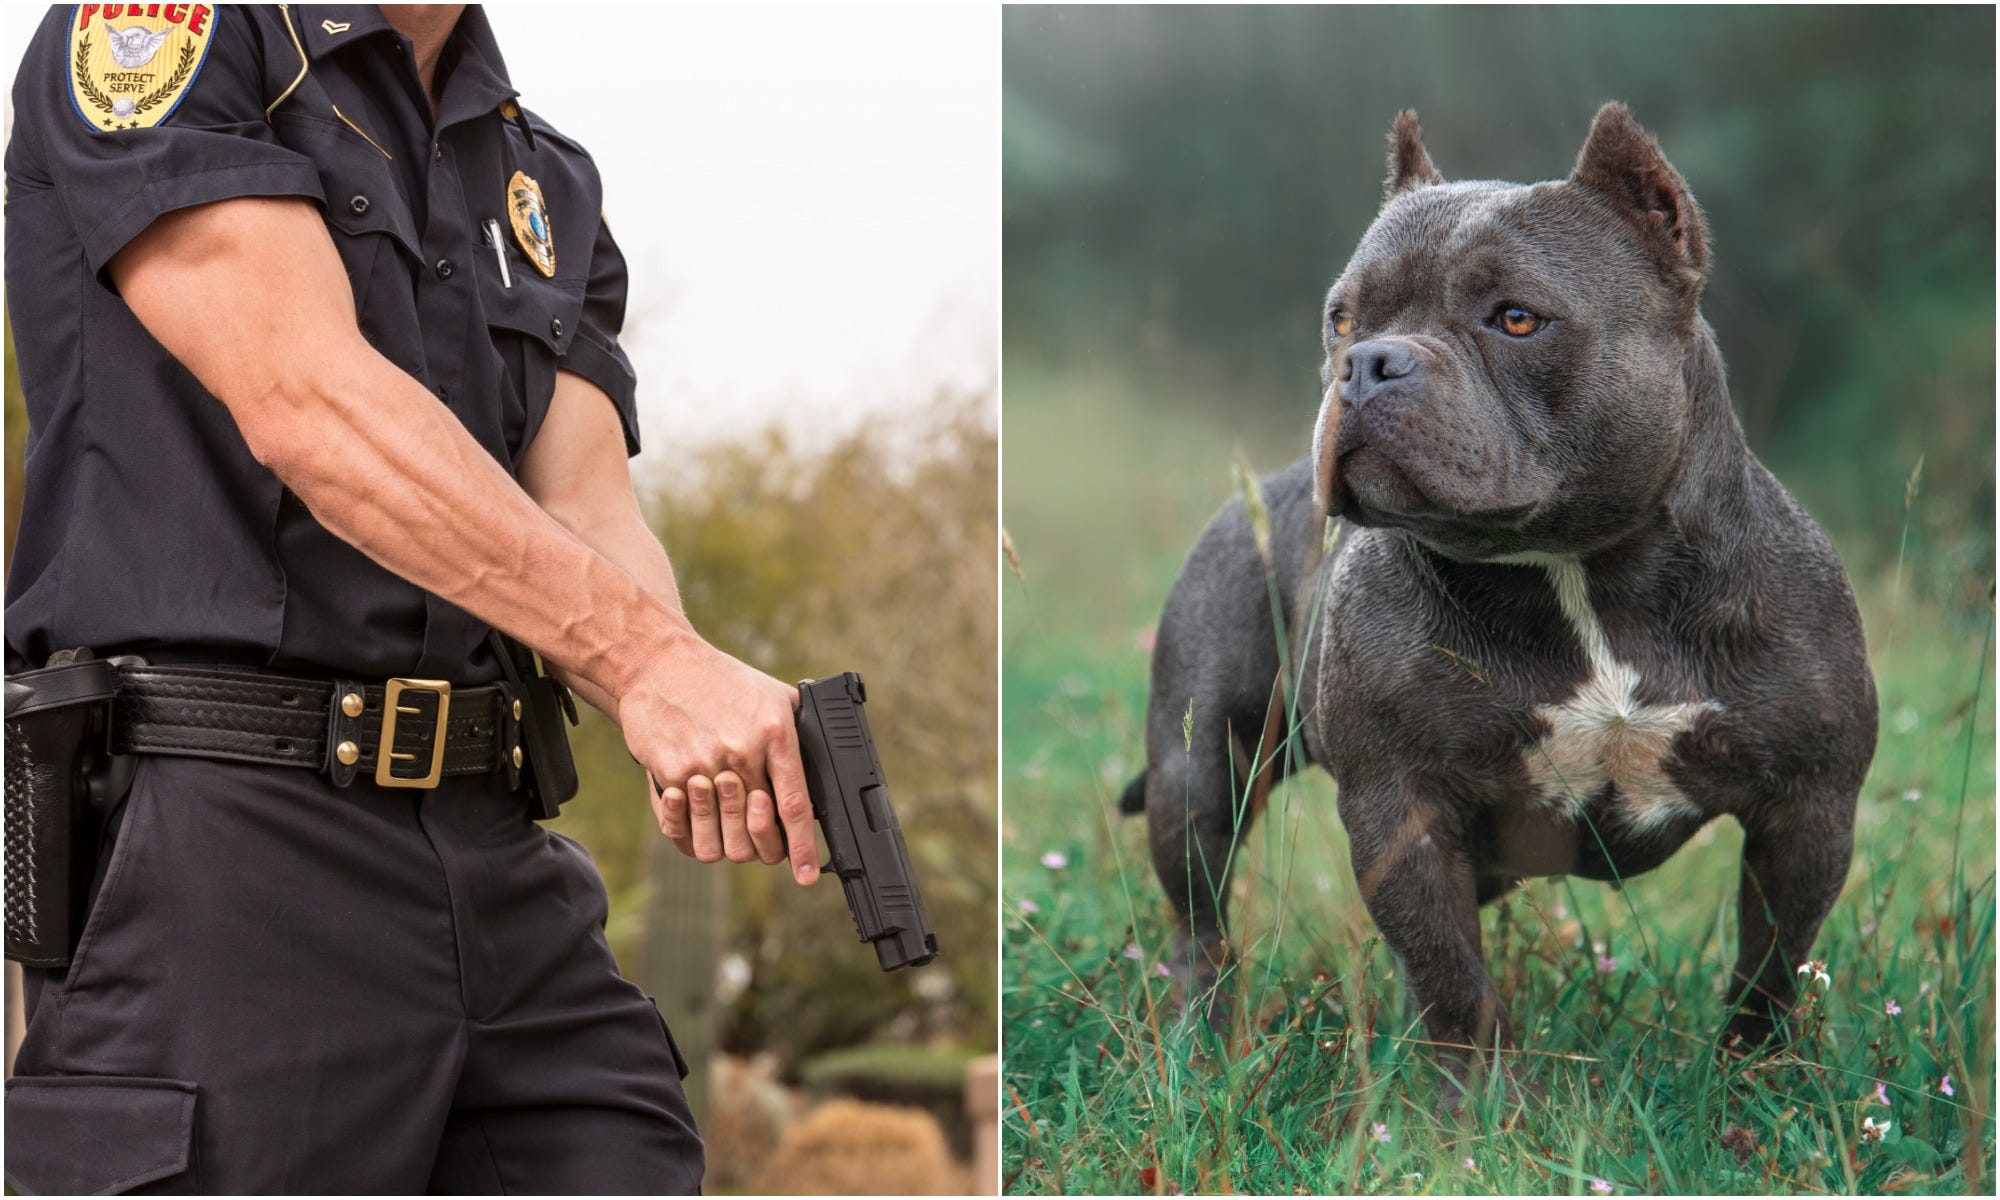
x,y
720,818
719,740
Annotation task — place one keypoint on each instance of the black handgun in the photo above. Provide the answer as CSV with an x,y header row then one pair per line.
x,y
850,800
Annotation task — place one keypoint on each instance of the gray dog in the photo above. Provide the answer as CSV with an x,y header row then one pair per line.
x,y
1568,620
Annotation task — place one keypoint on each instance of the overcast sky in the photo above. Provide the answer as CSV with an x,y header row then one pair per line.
x,y
808,198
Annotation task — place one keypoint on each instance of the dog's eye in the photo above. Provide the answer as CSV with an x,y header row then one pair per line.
x,y
1341,322
1518,322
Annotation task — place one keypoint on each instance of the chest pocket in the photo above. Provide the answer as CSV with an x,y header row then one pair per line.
x,y
533,320
372,229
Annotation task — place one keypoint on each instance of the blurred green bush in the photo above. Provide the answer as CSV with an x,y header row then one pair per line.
x,y
871,551
886,1064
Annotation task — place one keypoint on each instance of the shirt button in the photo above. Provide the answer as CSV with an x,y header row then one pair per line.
x,y
555,328
358,205
444,268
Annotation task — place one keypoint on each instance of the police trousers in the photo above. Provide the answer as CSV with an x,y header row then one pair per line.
x,y
283,986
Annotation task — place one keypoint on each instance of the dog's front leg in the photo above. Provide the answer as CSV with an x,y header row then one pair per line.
x,y
1794,865
1419,886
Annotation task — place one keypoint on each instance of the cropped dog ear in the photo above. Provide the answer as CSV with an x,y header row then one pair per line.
x,y
1622,163
1409,166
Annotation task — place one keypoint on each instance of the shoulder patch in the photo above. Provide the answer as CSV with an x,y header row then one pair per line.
x,y
130,65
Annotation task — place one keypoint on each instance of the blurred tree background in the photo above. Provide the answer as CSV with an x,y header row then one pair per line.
x,y
1182,184
871,552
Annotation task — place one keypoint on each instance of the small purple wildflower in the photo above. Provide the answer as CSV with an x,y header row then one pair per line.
x,y
1161,970
1893,1009
1380,1132
1469,1164
1055,860
1029,906
1133,952
1601,1187
1944,1085
1882,1094
1607,963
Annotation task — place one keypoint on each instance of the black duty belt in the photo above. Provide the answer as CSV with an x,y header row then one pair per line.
x,y
405,733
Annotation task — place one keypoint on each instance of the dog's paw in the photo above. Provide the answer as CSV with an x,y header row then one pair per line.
x,y
1469,1084
1750,1034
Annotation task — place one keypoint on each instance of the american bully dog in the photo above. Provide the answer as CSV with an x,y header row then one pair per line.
x,y
1566,620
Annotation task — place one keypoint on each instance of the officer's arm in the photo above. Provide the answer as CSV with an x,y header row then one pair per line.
x,y
575,469
250,295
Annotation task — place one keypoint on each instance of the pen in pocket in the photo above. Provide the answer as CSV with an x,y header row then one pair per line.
x,y
499,252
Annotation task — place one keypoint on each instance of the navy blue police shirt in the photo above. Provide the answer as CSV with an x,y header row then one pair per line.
x,y
147,526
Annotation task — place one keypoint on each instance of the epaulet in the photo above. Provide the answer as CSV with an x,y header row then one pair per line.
x,y
543,129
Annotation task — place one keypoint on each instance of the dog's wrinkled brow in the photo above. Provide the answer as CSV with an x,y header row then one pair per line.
x,y
1482,275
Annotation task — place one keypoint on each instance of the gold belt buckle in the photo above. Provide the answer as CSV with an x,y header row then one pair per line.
x,y
392,710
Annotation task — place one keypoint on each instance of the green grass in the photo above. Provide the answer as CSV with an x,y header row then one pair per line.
x,y
1106,486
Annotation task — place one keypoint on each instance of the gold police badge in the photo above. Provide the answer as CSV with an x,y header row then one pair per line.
x,y
130,65
530,218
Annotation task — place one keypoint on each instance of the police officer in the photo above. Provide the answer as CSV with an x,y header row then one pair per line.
x,y
318,331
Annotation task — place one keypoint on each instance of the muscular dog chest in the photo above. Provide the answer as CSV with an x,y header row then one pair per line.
x,y
1602,751
1574,768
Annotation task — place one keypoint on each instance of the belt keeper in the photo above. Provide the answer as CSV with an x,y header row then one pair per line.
x,y
508,744
343,731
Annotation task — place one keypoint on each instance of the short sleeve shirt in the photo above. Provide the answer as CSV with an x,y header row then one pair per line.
x,y
481,265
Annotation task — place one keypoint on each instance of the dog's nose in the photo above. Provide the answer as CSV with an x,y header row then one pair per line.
x,y
1372,366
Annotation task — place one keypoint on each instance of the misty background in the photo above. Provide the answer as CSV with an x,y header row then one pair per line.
x,y
1182,185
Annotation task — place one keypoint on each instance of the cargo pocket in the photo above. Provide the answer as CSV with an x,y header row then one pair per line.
x,y
92,1135
673,1047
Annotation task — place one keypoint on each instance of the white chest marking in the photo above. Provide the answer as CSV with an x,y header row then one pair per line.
x,y
1605,733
